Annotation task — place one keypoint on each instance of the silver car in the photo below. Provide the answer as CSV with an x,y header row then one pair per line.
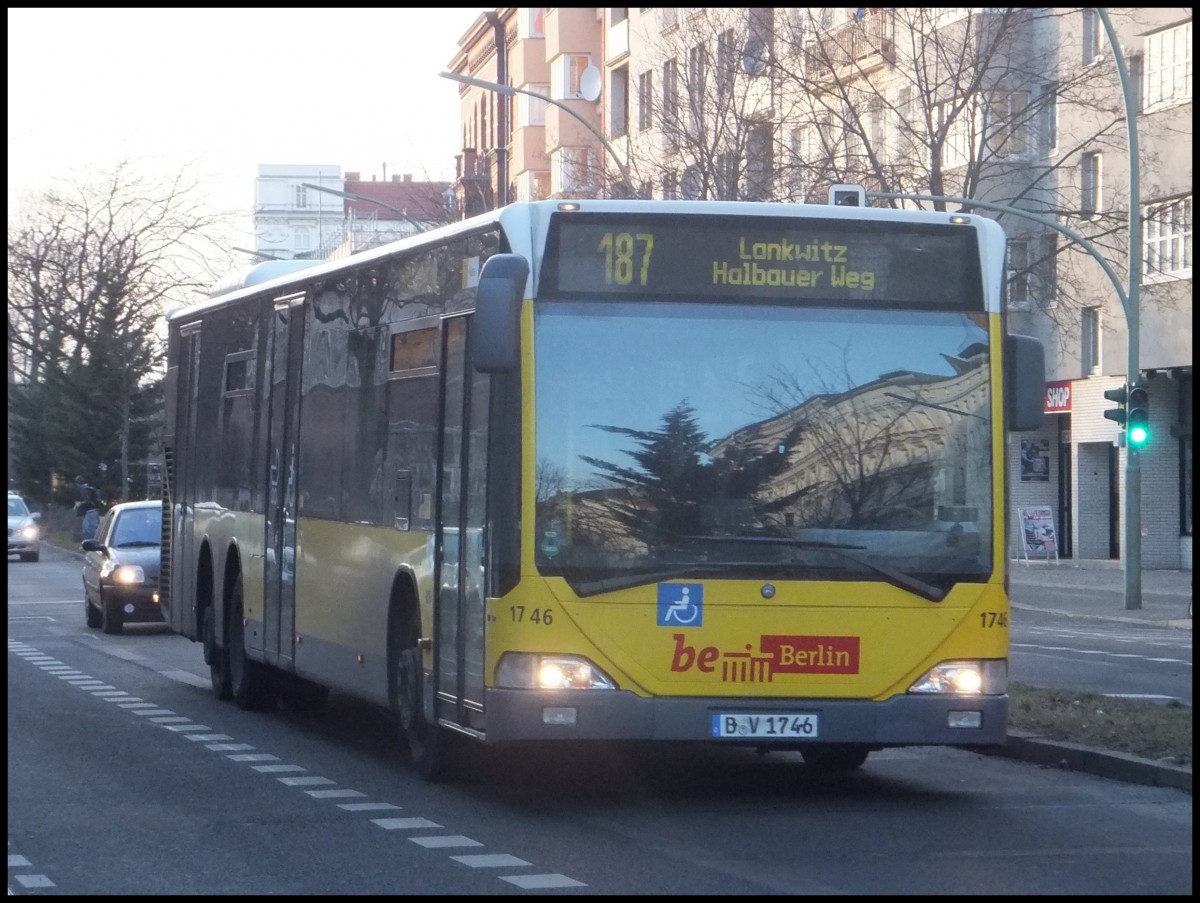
x,y
23,533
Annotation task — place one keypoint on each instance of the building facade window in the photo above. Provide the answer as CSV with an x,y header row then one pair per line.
x,y
531,23
1092,35
1090,342
697,76
301,196
531,110
1167,240
1010,118
670,185
571,170
1091,184
670,101
760,162
726,61
646,100
566,76
1167,67
1032,272
619,102
958,125
1048,119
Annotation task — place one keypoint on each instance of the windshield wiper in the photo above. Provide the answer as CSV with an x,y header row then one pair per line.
x,y
894,577
137,542
685,569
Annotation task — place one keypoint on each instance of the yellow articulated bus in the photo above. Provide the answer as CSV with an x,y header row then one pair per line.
x,y
611,470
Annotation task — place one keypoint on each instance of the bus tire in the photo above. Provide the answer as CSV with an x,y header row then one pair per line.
x,y
253,685
426,744
215,657
836,757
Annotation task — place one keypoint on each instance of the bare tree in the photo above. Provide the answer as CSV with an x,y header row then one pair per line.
x,y
93,265
779,104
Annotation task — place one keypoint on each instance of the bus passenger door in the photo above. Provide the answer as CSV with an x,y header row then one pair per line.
x,y
458,623
275,638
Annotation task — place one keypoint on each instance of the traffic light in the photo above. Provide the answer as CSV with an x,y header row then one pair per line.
x,y
1137,417
1120,395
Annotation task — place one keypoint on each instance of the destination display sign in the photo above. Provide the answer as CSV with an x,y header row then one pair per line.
x,y
730,258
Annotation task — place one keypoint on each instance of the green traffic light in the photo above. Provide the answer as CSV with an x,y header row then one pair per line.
x,y
1138,417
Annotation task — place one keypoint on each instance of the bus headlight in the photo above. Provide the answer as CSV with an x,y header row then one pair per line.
x,y
988,677
530,671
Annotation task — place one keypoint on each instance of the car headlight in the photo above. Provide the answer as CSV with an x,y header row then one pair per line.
x,y
29,532
530,671
126,574
988,677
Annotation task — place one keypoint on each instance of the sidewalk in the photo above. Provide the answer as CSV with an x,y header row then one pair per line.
x,y
1099,591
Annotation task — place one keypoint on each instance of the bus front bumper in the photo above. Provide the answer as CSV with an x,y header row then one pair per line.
x,y
907,720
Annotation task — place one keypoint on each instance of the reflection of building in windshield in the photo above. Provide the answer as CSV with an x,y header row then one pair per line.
x,y
888,454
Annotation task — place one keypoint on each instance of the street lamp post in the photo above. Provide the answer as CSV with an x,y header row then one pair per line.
x,y
509,89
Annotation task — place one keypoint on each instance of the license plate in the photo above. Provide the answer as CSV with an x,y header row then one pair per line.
x,y
765,726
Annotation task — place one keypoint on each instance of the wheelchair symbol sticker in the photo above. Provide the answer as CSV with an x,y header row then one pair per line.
x,y
680,604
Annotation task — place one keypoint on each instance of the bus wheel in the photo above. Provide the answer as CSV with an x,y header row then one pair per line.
x,y
215,657
252,685
426,742
835,757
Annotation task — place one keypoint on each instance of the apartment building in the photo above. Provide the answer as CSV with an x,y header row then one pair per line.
x,y
309,211
1022,108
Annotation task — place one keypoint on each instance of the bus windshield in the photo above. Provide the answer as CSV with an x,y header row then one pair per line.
x,y
681,439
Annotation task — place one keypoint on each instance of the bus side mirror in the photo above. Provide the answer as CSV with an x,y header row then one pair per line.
x,y
1024,382
496,335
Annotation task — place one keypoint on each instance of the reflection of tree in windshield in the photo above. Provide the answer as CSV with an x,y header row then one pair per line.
x,y
679,489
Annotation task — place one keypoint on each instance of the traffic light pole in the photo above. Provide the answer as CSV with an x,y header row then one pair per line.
x,y
1132,551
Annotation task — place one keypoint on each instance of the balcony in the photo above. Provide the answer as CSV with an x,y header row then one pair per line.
x,y
855,48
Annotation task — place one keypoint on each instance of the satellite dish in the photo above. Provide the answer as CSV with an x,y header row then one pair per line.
x,y
589,83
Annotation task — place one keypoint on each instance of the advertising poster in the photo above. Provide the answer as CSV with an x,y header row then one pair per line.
x,y
1035,460
1037,532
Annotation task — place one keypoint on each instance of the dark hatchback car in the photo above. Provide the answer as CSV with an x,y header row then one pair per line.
x,y
120,567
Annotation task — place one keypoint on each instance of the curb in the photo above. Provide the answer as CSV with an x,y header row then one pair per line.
x,y
1029,747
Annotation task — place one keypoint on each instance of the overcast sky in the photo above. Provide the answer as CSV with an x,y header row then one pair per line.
x,y
228,89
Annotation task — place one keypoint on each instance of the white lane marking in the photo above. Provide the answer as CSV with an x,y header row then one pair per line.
x,y
404,824
537,882
279,769
253,757
333,794
1172,661
229,747
366,807
190,727
305,782
490,860
441,841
